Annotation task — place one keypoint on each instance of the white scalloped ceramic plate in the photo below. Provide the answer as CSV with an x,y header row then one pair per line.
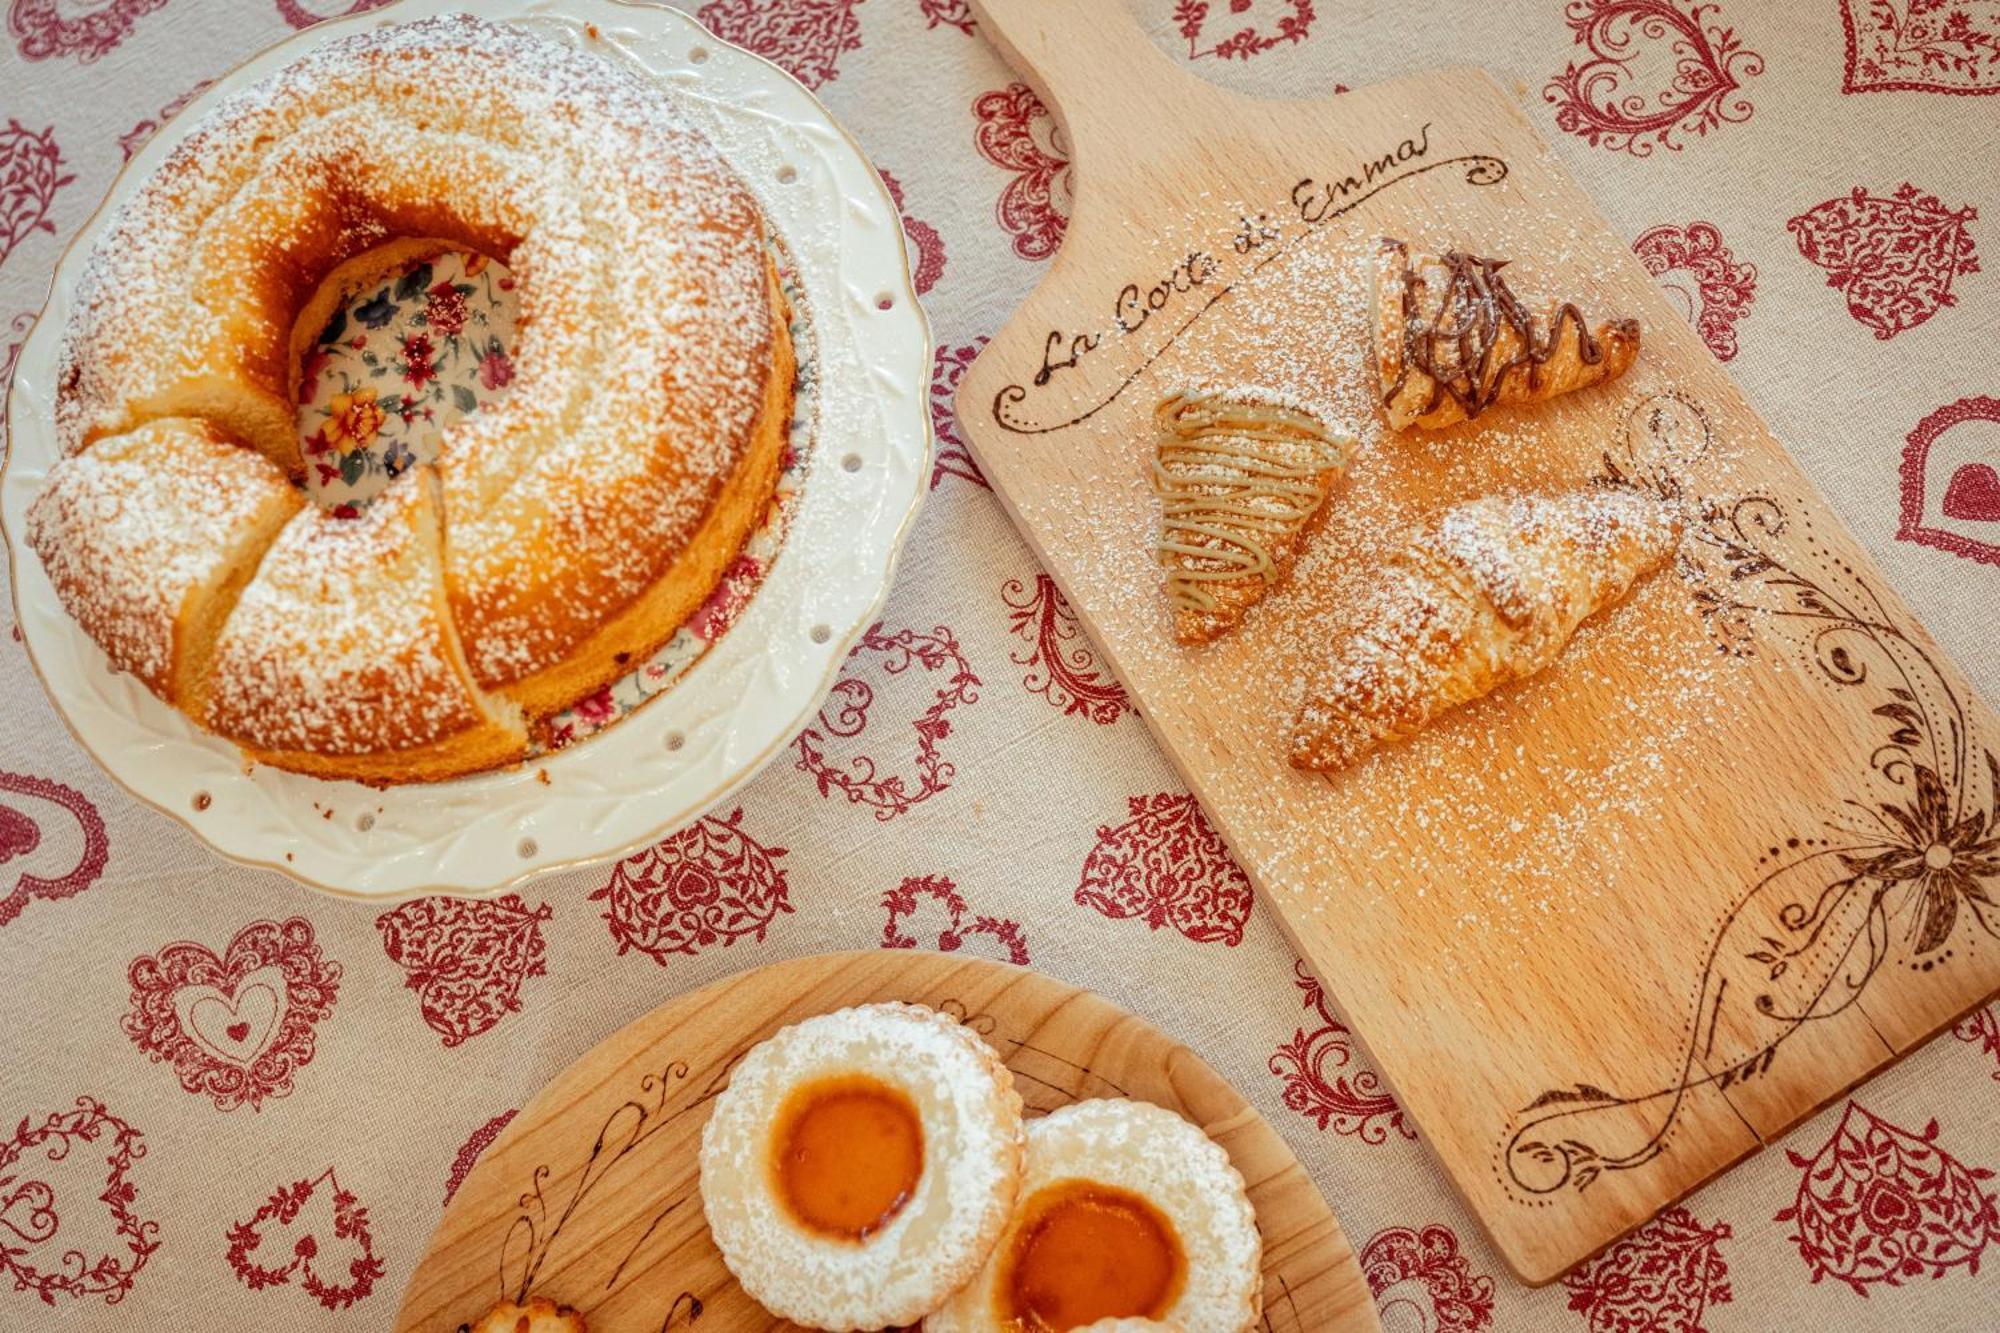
x,y
741,703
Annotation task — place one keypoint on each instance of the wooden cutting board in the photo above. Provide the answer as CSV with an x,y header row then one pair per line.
x,y
589,1196
1608,931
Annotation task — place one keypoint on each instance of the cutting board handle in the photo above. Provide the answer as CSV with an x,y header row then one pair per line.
x,y
1096,70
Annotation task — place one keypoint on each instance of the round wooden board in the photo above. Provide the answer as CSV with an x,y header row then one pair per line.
x,y
589,1197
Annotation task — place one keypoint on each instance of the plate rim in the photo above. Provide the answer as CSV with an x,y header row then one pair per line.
x,y
837,648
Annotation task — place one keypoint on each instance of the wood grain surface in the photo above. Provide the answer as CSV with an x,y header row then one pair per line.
x,y
589,1196
1610,930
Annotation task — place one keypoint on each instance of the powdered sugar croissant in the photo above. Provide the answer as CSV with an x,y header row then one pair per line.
x,y
1489,593
1241,475
1452,339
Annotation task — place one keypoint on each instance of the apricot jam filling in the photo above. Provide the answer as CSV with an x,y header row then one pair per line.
x,y
847,1152
1085,1251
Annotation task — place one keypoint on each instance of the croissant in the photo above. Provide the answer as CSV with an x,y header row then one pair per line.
x,y
1241,475
1488,594
1452,339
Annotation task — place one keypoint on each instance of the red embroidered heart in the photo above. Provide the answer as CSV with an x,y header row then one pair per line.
x,y
1919,45
709,883
924,240
902,902
1658,72
301,15
1621,1289
1894,258
1167,866
21,834
845,716
48,1174
806,38
307,1224
1974,494
235,1028
43,31
1017,134
1062,667
1694,266
1425,1273
1281,21
466,958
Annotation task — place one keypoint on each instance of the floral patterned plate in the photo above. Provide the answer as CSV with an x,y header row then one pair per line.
x,y
731,688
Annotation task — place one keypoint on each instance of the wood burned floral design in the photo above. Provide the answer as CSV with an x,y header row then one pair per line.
x,y
1244,28
1319,1085
236,1027
1167,867
927,245
1062,666
23,797
1936,46
30,174
51,1243
1880,1205
1894,258
1423,1272
805,38
1657,72
466,958
1665,1276
41,31
954,459
711,883
961,923
845,716
314,1231
1695,268
1016,133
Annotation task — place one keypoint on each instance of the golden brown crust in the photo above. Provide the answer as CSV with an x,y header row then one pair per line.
x,y
1488,348
1489,594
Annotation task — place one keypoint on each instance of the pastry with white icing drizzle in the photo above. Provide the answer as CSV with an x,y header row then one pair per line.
x,y
1489,593
1242,475
1452,339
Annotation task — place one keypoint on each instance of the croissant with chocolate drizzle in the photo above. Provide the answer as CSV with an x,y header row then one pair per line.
x,y
1487,594
1452,339
1241,475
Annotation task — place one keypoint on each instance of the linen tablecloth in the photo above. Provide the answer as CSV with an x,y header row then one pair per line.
x,y
260,1097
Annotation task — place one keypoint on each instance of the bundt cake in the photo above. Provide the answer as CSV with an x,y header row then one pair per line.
x,y
560,538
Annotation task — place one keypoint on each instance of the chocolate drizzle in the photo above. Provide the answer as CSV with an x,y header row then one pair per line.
x,y
1479,336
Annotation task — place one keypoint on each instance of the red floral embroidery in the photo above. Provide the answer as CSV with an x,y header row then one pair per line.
x,y
235,1028
1935,46
954,458
845,715
1354,1104
1660,1279
952,13
1290,21
1970,493
806,38
40,31
1658,70
1699,272
1423,1272
30,174
924,239
20,835
339,1217
1894,258
901,902
1017,134
465,958
1062,668
710,883
469,1152
135,138
1166,865
297,13
1982,1026
1878,1204
46,1175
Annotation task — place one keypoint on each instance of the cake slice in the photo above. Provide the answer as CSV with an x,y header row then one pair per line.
x,y
150,536
1487,594
1241,475
341,659
1452,339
